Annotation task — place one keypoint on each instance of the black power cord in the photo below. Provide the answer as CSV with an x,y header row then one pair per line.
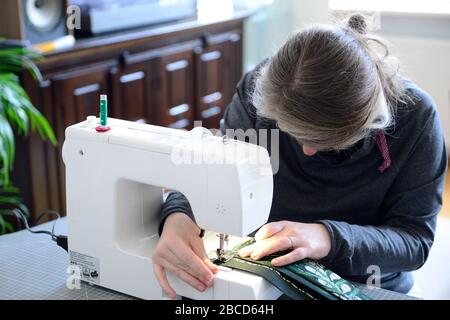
x,y
61,240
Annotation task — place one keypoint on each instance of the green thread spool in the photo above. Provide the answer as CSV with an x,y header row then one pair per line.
x,y
103,110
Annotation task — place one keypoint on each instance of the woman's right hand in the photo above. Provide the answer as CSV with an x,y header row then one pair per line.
x,y
180,250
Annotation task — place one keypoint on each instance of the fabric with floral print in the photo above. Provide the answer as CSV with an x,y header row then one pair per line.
x,y
312,275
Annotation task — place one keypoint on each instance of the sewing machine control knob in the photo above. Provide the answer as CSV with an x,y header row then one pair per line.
x,y
92,120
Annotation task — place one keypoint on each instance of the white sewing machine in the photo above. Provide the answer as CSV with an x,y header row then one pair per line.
x,y
115,183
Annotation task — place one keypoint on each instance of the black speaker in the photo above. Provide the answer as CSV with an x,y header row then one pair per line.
x,y
35,21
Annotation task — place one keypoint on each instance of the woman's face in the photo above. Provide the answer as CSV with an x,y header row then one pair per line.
x,y
308,151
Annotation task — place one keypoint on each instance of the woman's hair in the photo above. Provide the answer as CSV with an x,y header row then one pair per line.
x,y
328,87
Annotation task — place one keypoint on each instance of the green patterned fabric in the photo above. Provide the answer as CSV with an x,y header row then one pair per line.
x,y
289,288
305,279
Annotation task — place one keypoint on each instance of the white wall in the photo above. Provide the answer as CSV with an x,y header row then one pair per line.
x,y
426,60
266,31
308,12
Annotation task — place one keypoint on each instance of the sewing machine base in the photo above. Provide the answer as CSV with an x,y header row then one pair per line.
x,y
229,284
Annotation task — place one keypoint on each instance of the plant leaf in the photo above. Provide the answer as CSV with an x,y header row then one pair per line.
x,y
18,59
16,112
2,225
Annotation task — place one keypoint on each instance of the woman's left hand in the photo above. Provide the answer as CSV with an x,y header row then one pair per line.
x,y
305,240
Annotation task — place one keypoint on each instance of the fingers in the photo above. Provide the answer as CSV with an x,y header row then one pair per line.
x,y
183,275
247,251
181,251
293,256
186,277
199,249
265,247
163,282
214,269
269,230
167,261
270,246
188,261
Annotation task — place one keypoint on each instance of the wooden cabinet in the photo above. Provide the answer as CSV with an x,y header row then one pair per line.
x,y
131,92
177,90
169,79
77,94
36,170
215,61
210,64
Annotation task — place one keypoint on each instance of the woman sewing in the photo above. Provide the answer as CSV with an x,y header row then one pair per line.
x,y
362,162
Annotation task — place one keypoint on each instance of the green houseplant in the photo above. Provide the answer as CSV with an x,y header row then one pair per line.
x,y
17,115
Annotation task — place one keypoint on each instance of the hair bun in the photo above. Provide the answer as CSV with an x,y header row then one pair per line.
x,y
357,22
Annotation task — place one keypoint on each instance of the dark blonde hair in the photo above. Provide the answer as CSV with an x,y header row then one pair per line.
x,y
328,87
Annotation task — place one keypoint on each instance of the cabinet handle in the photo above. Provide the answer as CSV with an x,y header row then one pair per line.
x,y
235,37
211,112
198,50
211,98
210,56
180,124
177,65
180,109
86,89
44,84
131,77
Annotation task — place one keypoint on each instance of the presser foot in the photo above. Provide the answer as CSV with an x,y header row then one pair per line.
x,y
222,254
220,257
